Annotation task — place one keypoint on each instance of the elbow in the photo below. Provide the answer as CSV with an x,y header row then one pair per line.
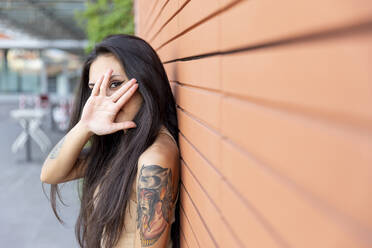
x,y
43,178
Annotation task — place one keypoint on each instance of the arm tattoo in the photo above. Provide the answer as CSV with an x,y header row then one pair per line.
x,y
55,151
154,197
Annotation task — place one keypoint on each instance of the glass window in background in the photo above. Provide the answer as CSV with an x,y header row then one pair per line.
x,y
19,72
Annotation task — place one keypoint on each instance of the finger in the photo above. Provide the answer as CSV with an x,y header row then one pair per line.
x,y
122,90
124,98
123,125
106,80
96,86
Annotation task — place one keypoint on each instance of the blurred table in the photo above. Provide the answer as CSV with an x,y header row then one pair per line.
x,y
30,121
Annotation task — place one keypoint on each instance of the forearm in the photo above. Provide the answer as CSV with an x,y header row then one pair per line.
x,y
63,156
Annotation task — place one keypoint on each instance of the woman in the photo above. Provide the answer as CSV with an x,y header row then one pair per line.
x,y
130,169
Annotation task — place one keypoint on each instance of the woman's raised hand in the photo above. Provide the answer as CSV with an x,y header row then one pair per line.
x,y
100,110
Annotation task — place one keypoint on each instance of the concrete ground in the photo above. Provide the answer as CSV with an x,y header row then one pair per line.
x,y
26,217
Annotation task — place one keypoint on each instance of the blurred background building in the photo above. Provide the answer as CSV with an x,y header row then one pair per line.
x,y
42,46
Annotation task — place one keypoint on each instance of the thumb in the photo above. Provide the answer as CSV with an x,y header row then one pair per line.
x,y
124,125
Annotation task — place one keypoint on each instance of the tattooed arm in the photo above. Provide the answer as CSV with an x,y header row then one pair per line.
x,y
157,186
65,161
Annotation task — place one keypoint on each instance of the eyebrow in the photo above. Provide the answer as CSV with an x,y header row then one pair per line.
x,y
113,75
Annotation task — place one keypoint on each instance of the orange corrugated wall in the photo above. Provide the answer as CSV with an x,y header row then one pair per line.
x,y
274,101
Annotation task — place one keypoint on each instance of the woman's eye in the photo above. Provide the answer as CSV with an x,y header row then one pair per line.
x,y
115,84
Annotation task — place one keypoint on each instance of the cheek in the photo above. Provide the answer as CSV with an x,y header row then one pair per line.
x,y
129,110
121,116
130,107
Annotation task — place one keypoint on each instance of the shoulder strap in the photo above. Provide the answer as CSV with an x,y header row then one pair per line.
x,y
165,131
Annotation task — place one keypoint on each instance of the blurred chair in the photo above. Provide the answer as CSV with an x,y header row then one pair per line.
x,y
30,121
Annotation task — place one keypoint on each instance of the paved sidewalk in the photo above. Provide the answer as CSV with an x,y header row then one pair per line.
x,y
27,220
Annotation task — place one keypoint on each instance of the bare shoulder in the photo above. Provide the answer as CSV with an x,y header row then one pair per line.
x,y
163,150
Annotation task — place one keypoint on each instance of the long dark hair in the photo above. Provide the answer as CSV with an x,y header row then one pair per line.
x,y
112,159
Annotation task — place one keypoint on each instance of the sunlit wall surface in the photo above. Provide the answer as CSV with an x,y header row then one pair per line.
x,y
274,104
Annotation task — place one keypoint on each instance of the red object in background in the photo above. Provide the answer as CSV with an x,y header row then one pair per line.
x,y
4,36
44,100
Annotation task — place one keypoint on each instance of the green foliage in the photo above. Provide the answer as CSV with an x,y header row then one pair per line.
x,y
104,17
